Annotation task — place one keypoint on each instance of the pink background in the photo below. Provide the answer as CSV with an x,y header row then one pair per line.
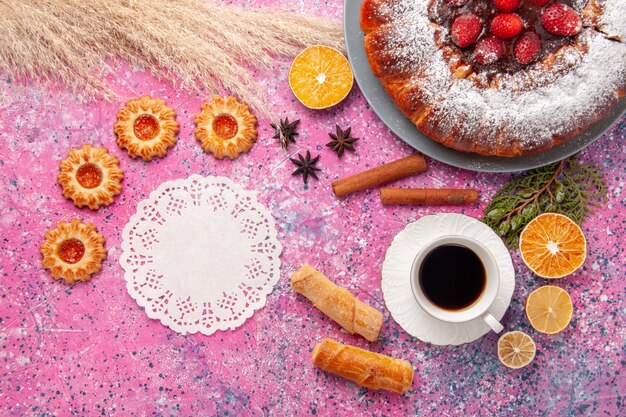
x,y
90,349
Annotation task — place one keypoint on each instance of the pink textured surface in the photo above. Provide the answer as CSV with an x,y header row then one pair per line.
x,y
90,349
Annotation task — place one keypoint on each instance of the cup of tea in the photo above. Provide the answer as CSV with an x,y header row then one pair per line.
x,y
456,279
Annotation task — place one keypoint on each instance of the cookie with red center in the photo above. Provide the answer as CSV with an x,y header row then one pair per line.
x,y
456,3
506,6
539,3
560,19
465,29
489,50
506,25
527,48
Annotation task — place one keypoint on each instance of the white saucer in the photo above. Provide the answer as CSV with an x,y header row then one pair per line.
x,y
396,284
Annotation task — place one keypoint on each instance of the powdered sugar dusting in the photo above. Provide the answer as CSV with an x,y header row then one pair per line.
x,y
409,39
613,20
556,103
522,111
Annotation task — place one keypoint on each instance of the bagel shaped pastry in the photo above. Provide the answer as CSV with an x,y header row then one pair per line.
x,y
225,127
146,128
73,251
90,177
562,74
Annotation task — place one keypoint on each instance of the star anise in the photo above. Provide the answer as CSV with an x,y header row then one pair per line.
x,y
285,132
306,166
341,141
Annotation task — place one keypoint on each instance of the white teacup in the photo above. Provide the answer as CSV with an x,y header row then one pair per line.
x,y
480,307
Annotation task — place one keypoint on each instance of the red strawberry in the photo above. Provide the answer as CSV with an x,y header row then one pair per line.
x,y
506,25
457,3
506,6
489,50
527,48
560,19
465,29
540,3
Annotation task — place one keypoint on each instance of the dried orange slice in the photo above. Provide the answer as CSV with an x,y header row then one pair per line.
x,y
516,349
549,309
552,245
320,77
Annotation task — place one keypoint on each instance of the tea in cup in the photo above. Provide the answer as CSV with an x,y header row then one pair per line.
x,y
456,279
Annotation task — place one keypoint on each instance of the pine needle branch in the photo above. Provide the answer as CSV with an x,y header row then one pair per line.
x,y
568,187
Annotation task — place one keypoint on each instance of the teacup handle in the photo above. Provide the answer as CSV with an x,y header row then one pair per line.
x,y
492,322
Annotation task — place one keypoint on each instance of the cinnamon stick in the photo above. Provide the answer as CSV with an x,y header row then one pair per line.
x,y
386,173
427,196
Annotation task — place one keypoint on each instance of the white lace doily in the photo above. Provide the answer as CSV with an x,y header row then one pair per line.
x,y
201,254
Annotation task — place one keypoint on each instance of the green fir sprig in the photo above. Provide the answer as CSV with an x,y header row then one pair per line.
x,y
568,187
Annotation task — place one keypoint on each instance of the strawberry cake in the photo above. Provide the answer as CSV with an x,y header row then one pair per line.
x,y
499,77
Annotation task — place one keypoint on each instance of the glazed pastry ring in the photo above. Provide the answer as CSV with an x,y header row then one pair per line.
x,y
391,116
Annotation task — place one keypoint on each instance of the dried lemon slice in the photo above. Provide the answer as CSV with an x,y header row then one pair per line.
x,y
90,177
552,245
73,251
320,77
549,309
516,349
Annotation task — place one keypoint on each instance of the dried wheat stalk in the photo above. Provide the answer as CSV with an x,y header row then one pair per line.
x,y
198,45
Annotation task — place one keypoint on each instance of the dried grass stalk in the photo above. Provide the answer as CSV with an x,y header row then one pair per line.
x,y
197,45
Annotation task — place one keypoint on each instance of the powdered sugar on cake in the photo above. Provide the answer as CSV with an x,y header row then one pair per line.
x,y
554,105
613,19
536,106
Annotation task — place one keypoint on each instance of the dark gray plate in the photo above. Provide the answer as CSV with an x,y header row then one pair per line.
x,y
377,97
